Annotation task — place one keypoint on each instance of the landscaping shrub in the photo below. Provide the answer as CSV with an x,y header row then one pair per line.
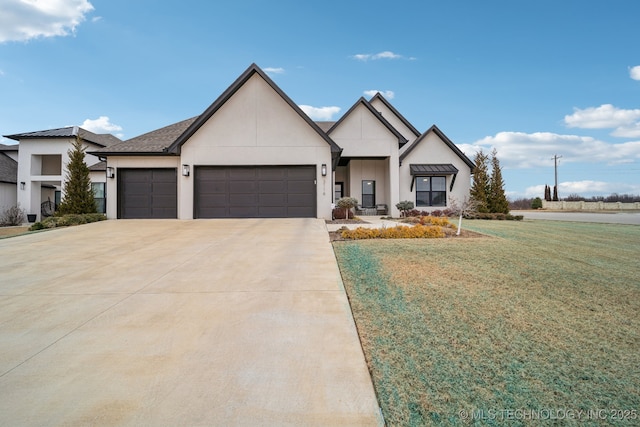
x,y
400,232
338,213
346,203
67,220
536,203
404,207
12,216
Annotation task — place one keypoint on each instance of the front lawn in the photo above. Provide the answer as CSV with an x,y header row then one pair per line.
x,y
541,316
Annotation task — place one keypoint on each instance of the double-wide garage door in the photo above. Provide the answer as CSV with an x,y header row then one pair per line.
x,y
147,193
254,191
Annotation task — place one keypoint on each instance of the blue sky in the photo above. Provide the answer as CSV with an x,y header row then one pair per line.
x,y
530,78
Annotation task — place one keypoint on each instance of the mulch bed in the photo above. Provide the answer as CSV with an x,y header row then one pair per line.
x,y
336,236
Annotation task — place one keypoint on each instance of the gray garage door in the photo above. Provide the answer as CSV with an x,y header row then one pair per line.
x,y
255,192
147,193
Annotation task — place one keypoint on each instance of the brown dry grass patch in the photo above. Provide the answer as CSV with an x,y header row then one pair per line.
x,y
543,315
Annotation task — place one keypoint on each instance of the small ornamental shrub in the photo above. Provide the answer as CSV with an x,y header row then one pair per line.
x,y
12,216
346,203
338,213
536,203
404,207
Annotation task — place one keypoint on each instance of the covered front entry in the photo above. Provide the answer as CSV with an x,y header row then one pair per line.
x,y
255,191
147,193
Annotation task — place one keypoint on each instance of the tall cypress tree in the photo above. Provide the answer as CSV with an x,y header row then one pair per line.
x,y
78,197
480,186
496,198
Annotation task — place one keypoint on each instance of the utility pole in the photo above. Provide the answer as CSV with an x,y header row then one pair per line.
x,y
555,168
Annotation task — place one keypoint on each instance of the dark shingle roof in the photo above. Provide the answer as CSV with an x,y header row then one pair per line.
x,y
103,140
156,141
8,169
98,167
12,147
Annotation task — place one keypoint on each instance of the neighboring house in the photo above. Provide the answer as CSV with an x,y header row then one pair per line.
x,y
255,153
42,160
8,176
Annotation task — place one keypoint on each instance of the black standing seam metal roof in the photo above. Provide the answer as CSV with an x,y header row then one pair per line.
x,y
406,122
444,138
401,139
432,169
102,140
227,94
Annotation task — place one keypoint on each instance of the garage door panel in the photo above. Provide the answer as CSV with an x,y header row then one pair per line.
x,y
273,187
272,174
247,187
255,191
147,193
272,200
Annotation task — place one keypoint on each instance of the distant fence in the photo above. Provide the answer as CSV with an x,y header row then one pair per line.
x,y
590,206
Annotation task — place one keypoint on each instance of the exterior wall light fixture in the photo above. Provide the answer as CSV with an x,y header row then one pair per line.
x,y
110,172
186,170
22,184
323,169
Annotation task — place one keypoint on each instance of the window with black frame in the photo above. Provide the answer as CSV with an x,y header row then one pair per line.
x,y
368,194
431,191
99,196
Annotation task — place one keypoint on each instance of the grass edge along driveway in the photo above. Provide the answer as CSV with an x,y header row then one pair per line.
x,y
538,316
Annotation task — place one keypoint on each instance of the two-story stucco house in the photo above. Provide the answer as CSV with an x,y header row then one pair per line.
x,y
255,153
42,157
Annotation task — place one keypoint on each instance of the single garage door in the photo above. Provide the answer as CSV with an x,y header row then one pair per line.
x,y
147,193
255,191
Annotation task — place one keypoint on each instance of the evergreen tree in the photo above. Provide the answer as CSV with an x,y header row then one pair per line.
x,y
480,185
555,193
496,198
547,193
78,197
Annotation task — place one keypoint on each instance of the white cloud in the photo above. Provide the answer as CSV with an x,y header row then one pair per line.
x,y
22,20
274,70
320,113
602,117
526,150
389,94
381,55
102,125
634,72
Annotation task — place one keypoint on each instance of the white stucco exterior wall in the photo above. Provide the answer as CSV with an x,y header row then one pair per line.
x,y
35,170
395,121
256,127
362,136
432,150
143,162
8,196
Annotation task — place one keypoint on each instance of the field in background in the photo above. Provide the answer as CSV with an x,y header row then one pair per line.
x,y
541,315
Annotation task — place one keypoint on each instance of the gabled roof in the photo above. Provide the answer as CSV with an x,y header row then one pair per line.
x,y
98,167
227,94
8,169
154,142
103,140
401,139
396,112
444,138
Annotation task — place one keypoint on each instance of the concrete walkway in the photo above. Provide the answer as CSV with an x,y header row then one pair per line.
x,y
371,222
167,322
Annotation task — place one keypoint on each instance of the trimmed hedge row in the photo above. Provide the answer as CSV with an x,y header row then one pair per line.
x,y
417,231
67,220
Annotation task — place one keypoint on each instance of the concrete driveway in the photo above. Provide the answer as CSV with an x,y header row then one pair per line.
x,y
167,322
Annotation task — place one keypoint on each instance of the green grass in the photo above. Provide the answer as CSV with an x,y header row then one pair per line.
x,y
542,315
